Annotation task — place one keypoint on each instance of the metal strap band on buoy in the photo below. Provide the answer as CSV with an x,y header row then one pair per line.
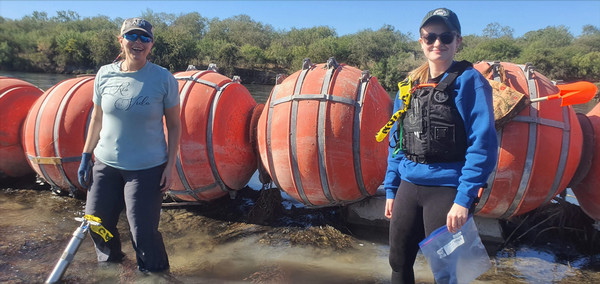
x,y
293,126
364,80
543,121
193,192
564,151
486,193
37,131
533,113
209,139
58,123
195,79
332,71
183,101
269,151
52,160
316,97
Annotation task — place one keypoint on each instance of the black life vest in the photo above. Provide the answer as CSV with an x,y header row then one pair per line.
x,y
433,130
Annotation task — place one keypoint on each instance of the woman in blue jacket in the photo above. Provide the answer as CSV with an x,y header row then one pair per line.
x,y
443,148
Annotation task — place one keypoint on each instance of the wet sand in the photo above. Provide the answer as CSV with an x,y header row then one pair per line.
x,y
238,241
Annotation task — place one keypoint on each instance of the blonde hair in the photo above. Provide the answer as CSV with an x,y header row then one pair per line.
x,y
421,73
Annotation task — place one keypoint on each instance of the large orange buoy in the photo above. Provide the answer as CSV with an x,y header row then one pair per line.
x,y
16,97
316,135
539,149
216,156
588,190
54,133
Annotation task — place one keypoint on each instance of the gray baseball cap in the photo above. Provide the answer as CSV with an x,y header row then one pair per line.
x,y
137,24
446,15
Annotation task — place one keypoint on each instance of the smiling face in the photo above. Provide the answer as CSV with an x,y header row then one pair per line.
x,y
135,50
438,52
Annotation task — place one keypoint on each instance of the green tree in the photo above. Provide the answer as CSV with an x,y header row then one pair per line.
x,y
104,47
175,48
549,37
323,49
227,56
252,56
369,46
495,30
589,41
587,66
192,23
240,30
496,49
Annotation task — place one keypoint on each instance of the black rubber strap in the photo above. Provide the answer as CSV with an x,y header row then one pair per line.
x,y
455,71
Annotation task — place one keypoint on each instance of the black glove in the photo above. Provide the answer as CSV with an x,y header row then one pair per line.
x,y
84,174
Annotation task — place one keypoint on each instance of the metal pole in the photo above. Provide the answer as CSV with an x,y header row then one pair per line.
x,y
69,253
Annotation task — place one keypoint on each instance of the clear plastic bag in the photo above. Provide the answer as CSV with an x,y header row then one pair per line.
x,y
456,258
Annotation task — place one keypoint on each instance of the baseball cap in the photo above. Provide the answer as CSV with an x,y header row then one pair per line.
x,y
139,24
446,15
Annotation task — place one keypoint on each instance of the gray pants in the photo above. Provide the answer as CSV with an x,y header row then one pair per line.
x,y
113,190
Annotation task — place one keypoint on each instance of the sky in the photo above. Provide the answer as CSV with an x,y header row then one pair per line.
x,y
346,17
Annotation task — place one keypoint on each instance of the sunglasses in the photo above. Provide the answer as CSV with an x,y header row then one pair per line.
x,y
445,38
134,37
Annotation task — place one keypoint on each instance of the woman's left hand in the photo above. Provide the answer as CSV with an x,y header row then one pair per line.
x,y
457,217
165,180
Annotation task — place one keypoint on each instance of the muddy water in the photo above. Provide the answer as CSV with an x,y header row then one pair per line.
x,y
215,243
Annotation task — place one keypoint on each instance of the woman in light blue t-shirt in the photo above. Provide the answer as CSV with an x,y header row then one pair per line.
x,y
133,160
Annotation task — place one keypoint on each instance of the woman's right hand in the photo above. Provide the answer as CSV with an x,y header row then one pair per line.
x,y
84,174
389,204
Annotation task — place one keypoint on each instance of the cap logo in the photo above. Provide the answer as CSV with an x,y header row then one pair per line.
x,y
441,12
138,22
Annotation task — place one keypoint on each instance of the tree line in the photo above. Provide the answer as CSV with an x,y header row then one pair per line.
x,y
68,43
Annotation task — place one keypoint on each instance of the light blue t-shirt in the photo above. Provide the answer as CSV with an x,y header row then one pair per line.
x,y
133,103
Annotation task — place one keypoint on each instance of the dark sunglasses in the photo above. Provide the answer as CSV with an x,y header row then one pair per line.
x,y
134,37
445,38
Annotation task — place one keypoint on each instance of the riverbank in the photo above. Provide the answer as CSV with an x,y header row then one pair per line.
x,y
261,238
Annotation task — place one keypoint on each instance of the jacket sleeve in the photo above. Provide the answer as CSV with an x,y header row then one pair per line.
x,y
392,176
476,108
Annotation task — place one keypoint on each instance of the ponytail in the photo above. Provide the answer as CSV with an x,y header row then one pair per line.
x,y
421,73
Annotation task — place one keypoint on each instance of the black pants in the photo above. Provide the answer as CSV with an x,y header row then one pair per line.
x,y
113,190
418,211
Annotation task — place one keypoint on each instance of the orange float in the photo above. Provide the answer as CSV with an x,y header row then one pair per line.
x,y
316,135
54,133
216,156
539,149
16,97
588,190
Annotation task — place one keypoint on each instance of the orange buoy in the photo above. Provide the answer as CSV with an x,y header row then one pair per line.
x,y
16,97
539,149
588,190
54,133
216,156
316,135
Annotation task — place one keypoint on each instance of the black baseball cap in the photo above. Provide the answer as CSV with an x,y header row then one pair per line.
x,y
446,15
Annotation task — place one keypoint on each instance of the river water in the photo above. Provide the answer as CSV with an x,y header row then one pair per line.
x,y
216,243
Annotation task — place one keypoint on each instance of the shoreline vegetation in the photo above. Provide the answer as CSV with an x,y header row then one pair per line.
x,y
70,44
